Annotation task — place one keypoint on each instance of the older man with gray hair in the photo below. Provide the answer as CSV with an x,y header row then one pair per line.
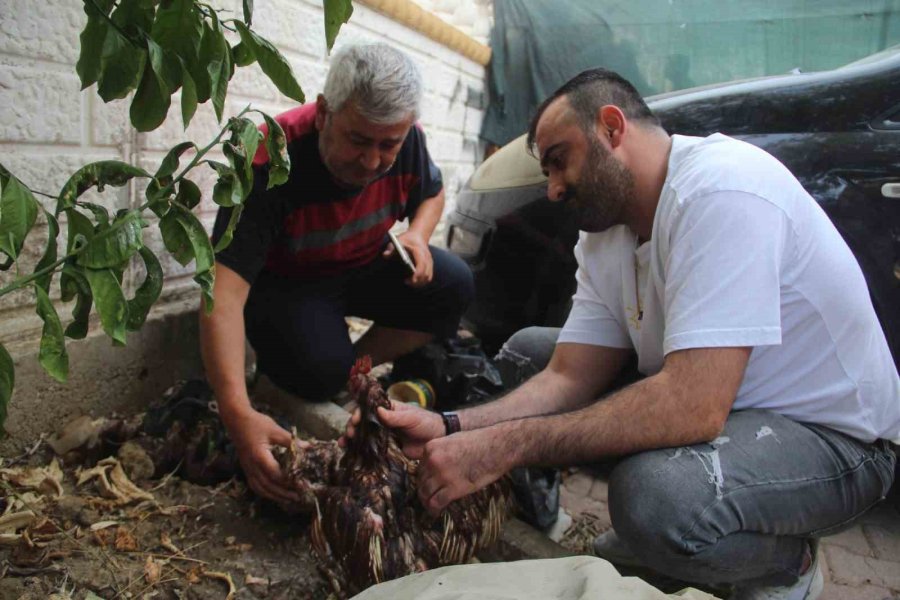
x,y
315,249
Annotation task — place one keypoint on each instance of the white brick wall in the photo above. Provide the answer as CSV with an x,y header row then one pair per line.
x,y
48,128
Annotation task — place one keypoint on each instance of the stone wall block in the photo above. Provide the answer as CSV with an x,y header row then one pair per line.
x,y
293,26
251,83
46,30
109,122
36,105
202,129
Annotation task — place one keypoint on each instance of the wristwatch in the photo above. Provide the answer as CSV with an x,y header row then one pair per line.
x,y
451,423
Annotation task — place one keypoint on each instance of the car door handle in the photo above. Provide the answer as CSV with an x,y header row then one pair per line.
x,y
891,190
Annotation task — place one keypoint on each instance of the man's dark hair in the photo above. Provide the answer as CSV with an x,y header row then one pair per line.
x,y
589,91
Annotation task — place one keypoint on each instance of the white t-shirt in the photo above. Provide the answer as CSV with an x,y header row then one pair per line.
x,y
741,255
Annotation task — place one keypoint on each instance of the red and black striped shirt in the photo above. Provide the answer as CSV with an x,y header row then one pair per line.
x,y
310,226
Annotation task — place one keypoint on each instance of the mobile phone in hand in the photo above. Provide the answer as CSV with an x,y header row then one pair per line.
x,y
402,253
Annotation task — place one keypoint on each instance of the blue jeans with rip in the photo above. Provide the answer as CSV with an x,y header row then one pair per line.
x,y
742,507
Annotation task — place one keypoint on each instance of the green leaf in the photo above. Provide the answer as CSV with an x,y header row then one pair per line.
x,y
203,252
79,226
337,12
207,281
188,194
113,245
148,293
233,220
242,183
249,136
18,212
134,17
191,241
201,72
110,301
120,67
242,56
188,98
7,383
50,252
151,101
171,161
273,64
276,148
176,239
218,66
93,37
100,174
179,28
248,12
52,354
227,191
74,284
101,215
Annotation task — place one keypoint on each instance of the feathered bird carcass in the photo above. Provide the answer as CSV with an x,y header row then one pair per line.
x,y
368,523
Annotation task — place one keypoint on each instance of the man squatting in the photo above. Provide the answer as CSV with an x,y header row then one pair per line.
x,y
315,249
770,401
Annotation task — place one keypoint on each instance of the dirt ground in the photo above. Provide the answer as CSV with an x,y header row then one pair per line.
x,y
164,538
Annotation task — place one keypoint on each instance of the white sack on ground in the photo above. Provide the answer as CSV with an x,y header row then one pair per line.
x,y
572,578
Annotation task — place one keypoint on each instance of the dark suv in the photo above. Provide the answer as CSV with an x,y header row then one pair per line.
x,y
838,131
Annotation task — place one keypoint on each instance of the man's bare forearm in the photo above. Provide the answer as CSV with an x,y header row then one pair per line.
x,y
576,376
427,216
670,409
222,342
546,393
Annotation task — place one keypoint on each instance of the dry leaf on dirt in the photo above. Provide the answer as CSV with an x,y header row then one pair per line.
x,y
166,542
226,577
125,541
76,433
112,482
103,525
152,571
11,522
193,576
46,480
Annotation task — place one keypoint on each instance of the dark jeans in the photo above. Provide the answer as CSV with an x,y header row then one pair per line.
x,y
742,506
298,331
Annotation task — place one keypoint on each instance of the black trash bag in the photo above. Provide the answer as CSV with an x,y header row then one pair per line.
x,y
537,495
458,370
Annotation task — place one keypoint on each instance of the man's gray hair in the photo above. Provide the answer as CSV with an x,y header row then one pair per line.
x,y
382,82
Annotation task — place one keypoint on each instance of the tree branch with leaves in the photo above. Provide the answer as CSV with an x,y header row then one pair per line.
x,y
148,49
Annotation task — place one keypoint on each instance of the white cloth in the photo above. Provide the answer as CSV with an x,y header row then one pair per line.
x,y
573,578
741,255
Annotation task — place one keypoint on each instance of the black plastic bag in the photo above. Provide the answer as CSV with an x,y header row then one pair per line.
x,y
458,370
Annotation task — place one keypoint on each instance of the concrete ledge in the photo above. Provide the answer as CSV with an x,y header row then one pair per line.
x,y
323,420
418,19
103,378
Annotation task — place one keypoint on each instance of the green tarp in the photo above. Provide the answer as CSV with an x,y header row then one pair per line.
x,y
665,45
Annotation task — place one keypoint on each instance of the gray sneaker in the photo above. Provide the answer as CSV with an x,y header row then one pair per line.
x,y
808,587
610,547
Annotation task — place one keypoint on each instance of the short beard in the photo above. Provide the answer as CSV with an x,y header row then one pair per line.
x,y
602,193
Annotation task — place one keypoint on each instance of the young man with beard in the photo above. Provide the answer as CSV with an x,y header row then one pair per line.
x,y
769,401
315,249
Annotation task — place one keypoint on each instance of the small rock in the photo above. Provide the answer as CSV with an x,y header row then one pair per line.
x,y
137,464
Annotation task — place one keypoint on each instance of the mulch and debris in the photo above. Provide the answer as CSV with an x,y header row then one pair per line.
x,y
71,532
92,532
